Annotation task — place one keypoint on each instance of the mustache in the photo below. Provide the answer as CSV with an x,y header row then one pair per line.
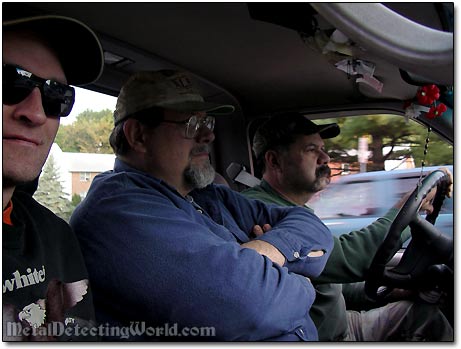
x,y
203,148
323,171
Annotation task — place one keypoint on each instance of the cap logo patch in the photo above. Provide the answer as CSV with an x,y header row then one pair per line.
x,y
182,82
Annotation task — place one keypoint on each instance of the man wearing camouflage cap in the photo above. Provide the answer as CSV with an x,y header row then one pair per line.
x,y
165,246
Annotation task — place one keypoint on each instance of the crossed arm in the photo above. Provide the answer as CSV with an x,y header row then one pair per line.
x,y
266,249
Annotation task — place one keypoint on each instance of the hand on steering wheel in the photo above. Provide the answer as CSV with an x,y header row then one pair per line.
x,y
428,246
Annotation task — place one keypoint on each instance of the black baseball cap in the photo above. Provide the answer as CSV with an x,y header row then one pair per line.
x,y
76,45
280,129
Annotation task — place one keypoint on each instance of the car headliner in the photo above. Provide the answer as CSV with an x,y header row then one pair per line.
x,y
267,67
256,56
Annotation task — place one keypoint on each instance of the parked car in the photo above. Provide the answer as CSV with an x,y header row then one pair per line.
x,y
356,200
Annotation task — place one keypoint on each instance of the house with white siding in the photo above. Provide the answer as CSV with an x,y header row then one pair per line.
x,y
77,170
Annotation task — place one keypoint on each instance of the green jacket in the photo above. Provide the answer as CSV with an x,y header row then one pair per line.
x,y
350,259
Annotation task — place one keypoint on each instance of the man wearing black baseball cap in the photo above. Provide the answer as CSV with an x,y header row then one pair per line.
x,y
291,151
44,277
309,164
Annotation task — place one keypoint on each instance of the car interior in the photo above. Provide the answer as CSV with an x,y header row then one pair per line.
x,y
271,57
323,60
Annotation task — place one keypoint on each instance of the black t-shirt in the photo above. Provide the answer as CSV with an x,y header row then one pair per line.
x,y
46,294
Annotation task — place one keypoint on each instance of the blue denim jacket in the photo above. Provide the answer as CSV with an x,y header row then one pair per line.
x,y
159,258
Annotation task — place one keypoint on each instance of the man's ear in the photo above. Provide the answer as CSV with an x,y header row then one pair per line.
x,y
134,134
271,159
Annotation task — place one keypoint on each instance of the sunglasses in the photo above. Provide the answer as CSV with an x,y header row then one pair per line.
x,y
57,98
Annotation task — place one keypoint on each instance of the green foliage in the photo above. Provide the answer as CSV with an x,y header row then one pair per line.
x,y
439,152
386,131
88,134
76,199
50,191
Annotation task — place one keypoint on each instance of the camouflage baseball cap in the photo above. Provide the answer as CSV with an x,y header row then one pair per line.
x,y
169,89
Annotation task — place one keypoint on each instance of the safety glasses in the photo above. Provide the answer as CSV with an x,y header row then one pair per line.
x,y
57,98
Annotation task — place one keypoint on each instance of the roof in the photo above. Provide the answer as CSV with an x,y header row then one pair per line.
x,y
84,162
264,57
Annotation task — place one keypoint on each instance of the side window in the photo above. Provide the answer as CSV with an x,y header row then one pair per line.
x,y
348,199
251,130
85,176
403,185
80,151
447,207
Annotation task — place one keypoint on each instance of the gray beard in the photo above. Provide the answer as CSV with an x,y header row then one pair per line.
x,y
199,177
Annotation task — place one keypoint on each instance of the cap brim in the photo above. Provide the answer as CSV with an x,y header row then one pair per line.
x,y
329,130
209,107
77,46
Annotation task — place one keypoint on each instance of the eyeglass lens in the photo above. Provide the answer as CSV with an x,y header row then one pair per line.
x,y
195,123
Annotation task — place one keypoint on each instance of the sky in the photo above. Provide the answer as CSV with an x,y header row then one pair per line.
x,y
86,99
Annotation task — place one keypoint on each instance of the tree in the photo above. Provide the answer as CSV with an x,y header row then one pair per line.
x,y
76,199
404,139
439,152
88,134
50,192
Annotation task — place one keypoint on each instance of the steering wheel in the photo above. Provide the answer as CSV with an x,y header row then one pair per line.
x,y
428,252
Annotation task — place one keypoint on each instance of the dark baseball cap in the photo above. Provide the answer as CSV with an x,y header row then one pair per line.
x,y
76,45
280,129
